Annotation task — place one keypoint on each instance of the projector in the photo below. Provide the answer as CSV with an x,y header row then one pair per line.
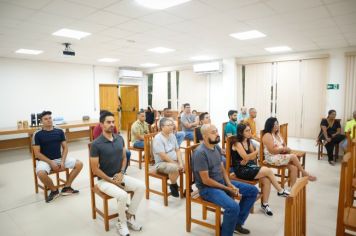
x,y
67,50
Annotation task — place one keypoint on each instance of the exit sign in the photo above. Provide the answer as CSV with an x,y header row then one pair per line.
x,y
332,86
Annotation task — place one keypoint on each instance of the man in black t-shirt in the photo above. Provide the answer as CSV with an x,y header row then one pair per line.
x,y
47,144
108,161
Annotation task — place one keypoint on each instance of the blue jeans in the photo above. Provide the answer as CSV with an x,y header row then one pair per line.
x,y
128,156
180,137
234,213
139,144
189,135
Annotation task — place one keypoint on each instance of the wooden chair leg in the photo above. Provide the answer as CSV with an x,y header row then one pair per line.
x,y
181,187
45,191
204,212
36,181
282,177
217,221
188,216
147,187
165,191
93,205
140,160
106,214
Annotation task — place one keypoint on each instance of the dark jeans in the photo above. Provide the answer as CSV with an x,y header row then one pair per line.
x,y
331,145
234,213
128,156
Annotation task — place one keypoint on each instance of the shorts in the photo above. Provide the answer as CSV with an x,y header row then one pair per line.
x,y
44,166
279,159
167,168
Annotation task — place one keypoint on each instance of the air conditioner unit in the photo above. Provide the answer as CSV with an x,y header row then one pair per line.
x,y
130,74
209,67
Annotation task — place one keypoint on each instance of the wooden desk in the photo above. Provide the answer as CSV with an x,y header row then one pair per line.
x,y
26,141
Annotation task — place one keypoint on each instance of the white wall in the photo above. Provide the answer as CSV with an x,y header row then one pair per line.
x,y
68,90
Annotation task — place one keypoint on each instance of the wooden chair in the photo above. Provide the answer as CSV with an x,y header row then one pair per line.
x,y
320,145
295,210
91,133
193,197
283,129
233,176
153,173
139,150
346,214
59,181
94,190
223,137
281,170
195,135
349,141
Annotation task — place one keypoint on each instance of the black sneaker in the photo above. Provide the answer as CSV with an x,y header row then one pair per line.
x,y
240,230
174,190
53,195
267,210
332,163
285,193
68,191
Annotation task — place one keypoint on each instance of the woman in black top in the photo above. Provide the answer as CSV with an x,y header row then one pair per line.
x,y
245,167
330,133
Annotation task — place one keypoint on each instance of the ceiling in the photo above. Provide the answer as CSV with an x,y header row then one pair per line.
x,y
125,30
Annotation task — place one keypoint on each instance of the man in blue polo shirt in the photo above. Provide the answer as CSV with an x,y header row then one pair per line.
x,y
231,126
47,144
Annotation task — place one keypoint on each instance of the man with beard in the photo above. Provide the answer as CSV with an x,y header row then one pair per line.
x,y
108,161
215,186
231,126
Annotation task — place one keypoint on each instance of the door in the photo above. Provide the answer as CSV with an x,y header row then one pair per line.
x,y
108,94
129,106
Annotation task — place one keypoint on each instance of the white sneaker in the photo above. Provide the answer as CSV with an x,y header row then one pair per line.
x,y
133,224
122,229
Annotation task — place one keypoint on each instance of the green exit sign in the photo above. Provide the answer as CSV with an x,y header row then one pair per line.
x,y
332,86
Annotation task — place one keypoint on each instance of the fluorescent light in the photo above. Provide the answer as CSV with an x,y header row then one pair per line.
x,y
28,51
161,50
253,34
160,4
201,58
149,64
279,49
106,59
69,33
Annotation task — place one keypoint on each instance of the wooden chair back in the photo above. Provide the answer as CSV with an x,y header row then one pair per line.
x,y
228,153
223,137
179,128
346,214
129,138
295,209
283,130
262,147
91,133
195,133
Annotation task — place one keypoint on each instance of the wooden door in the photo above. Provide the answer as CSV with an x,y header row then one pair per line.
x,y
129,106
109,100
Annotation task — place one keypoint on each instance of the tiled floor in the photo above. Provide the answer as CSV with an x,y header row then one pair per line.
x,y
22,212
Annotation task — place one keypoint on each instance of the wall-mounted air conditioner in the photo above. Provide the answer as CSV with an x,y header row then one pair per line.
x,y
208,67
130,74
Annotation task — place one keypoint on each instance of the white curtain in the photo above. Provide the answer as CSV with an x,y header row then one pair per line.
x,y
313,84
160,90
258,84
193,90
288,100
350,86
174,90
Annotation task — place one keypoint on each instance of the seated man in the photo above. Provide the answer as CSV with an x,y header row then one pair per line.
x,y
215,186
231,126
242,115
138,129
204,118
167,155
107,160
189,122
250,121
349,127
98,131
47,144
167,113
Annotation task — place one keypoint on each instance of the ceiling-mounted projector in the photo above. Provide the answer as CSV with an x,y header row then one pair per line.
x,y
67,50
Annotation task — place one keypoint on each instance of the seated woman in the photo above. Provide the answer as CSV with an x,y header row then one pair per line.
x,y
243,163
277,153
331,133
